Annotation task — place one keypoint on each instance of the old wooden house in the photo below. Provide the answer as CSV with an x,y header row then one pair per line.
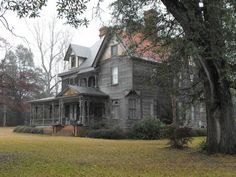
x,y
105,85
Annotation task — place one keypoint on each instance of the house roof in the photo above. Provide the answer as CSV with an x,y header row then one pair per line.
x,y
141,47
88,53
144,50
42,100
80,51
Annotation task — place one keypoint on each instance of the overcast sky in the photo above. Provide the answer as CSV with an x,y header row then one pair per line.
x,y
82,35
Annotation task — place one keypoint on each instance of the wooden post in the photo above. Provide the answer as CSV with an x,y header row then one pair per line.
x,y
88,109
43,114
34,114
4,115
30,114
96,81
75,111
59,111
80,112
62,111
83,112
53,113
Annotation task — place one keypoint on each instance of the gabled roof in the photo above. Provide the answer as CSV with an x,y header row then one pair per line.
x,y
80,51
144,50
77,90
89,54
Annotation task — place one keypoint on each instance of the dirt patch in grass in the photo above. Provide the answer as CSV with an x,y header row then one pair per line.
x,y
7,157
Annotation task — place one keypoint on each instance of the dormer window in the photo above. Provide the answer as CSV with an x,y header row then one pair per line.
x,y
114,50
80,60
73,61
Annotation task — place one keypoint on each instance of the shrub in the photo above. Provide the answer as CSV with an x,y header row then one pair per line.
x,y
203,145
105,133
148,129
179,137
198,132
27,129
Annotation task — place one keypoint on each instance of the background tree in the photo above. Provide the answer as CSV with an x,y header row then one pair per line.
x,y
51,44
19,82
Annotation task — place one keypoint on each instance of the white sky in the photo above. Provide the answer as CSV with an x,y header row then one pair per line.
x,y
82,35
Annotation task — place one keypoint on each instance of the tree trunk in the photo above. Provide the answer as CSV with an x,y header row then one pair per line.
x,y
220,123
173,105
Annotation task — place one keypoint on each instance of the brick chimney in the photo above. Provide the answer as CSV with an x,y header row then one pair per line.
x,y
103,31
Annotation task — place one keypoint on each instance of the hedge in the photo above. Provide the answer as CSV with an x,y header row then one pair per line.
x,y
28,129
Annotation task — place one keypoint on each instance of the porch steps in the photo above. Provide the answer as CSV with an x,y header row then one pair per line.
x,y
67,130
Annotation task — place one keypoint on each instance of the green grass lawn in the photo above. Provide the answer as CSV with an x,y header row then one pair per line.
x,y
41,155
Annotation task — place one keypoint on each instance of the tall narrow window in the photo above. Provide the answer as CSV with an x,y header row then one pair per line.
x,y
73,61
114,50
132,108
114,75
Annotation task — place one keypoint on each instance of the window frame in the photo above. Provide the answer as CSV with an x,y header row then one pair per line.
x,y
114,52
73,61
115,75
132,110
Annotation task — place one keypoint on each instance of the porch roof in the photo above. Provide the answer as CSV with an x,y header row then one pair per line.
x,y
43,99
72,90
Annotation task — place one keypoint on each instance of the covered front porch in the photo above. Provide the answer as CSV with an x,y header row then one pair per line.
x,y
74,106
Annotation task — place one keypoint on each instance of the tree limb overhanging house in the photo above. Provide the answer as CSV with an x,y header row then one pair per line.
x,y
106,85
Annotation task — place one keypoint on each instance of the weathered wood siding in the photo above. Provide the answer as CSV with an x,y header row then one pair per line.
x,y
153,98
107,52
116,92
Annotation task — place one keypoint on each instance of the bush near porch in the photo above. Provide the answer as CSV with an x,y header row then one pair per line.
x,y
28,129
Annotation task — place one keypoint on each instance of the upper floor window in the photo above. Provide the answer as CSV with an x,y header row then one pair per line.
x,y
83,82
73,61
114,78
91,81
114,50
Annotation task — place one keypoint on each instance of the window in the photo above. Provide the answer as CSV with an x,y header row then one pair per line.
x,y
114,75
114,50
153,108
71,81
83,82
91,81
191,77
115,102
73,61
115,109
132,108
192,112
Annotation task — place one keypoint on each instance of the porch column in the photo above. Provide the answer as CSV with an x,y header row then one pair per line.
x,y
83,112
53,113
96,82
87,81
88,109
33,114
30,114
43,113
75,111
60,111
80,110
